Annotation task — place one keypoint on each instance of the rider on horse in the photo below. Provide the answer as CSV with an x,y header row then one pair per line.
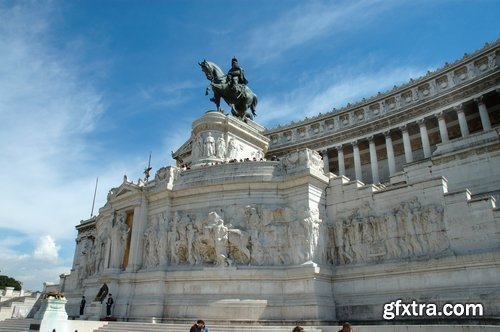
x,y
236,78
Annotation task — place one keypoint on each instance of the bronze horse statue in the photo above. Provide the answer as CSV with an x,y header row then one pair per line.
x,y
241,99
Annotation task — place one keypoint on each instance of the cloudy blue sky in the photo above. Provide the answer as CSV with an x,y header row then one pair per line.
x,y
88,88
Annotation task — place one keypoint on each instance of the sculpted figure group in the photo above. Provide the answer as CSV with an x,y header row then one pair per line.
x,y
252,235
407,230
105,248
214,145
261,237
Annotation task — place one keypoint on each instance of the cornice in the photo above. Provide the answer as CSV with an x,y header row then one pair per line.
x,y
407,114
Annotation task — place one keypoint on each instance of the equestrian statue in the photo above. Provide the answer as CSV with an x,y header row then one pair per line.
x,y
232,88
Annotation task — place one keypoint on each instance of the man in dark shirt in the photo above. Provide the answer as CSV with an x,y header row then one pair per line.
x,y
109,304
82,305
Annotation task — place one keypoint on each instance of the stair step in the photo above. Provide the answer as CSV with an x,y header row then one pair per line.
x,y
151,327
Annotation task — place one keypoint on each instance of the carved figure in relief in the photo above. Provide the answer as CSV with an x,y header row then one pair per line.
x,y
102,248
150,244
239,242
190,241
162,240
411,233
297,241
274,244
390,229
221,147
232,149
209,145
198,147
352,239
121,231
219,233
172,239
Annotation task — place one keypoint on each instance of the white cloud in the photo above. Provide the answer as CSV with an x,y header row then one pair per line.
x,y
46,249
332,89
48,108
310,21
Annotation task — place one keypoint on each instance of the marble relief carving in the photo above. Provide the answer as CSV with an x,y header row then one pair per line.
x,y
280,236
407,230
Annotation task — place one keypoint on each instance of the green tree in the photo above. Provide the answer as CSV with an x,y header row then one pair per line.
x,y
6,281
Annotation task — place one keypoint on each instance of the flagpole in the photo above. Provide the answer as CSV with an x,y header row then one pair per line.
x,y
93,201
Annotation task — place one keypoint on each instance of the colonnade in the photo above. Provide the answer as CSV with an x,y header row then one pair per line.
x,y
408,153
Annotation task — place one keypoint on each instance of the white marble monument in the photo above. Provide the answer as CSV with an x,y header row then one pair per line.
x,y
319,221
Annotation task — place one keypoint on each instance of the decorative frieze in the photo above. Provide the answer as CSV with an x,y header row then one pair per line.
x,y
406,230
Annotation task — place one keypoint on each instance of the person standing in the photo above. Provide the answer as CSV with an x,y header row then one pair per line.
x,y
109,304
82,305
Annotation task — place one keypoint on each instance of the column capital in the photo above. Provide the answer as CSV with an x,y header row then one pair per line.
x,y
421,122
339,148
479,100
403,128
387,134
371,138
354,143
459,108
439,115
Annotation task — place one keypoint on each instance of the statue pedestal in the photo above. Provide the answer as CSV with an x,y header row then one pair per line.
x,y
219,138
52,314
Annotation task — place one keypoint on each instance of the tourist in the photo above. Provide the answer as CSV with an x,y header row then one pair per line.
x,y
109,304
199,327
298,329
346,327
82,305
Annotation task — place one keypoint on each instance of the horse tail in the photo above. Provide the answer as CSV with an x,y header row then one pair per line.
x,y
253,106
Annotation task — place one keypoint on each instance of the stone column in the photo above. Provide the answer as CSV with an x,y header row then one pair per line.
x,y
483,113
462,121
357,161
407,144
390,153
425,138
340,151
326,162
443,130
373,159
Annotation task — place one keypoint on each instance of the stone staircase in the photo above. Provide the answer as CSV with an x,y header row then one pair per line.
x,y
15,325
17,307
150,327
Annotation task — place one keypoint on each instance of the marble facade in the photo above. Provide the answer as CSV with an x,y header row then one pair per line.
x,y
318,221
